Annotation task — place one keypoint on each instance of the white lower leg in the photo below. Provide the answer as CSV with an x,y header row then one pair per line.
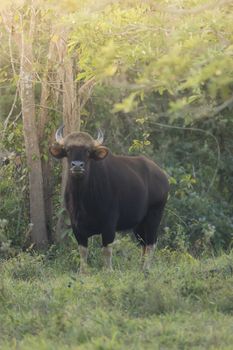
x,y
148,255
107,253
83,258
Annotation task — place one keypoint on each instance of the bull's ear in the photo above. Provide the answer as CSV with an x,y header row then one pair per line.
x,y
99,152
57,151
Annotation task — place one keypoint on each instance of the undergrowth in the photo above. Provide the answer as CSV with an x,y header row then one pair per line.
x,y
183,303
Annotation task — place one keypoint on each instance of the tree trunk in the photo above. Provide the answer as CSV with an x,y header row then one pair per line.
x,y
46,161
27,94
46,100
71,112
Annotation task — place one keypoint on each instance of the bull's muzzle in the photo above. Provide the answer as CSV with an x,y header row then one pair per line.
x,y
77,168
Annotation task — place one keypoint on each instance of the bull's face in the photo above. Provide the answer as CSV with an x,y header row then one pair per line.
x,y
79,148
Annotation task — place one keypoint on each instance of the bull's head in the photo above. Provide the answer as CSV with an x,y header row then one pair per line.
x,y
79,148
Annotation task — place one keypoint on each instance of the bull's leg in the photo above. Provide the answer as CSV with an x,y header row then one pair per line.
x,y
107,239
83,259
107,254
148,252
151,225
82,238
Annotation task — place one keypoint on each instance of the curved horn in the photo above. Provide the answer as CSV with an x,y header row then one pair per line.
x,y
100,137
59,135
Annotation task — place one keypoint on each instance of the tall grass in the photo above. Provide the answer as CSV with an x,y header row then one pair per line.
x,y
184,303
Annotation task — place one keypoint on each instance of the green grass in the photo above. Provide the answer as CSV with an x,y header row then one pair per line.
x,y
183,303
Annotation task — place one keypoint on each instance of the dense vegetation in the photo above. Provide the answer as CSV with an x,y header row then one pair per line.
x,y
163,87
157,78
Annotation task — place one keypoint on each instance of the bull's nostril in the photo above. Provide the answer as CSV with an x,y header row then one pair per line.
x,y
78,164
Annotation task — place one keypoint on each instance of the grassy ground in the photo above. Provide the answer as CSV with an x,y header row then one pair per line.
x,y
183,304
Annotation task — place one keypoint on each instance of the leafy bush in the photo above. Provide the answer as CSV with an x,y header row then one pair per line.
x,y
13,209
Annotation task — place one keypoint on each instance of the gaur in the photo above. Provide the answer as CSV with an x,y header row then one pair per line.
x,y
106,193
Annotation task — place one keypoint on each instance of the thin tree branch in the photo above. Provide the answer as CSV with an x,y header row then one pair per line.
x,y
224,105
49,108
16,118
85,92
12,108
11,53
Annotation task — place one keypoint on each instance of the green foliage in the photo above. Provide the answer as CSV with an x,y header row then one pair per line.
x,y
163,88
195,220
13,207
161,50
45,304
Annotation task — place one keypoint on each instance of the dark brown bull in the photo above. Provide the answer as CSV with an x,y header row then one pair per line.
x,y
106,193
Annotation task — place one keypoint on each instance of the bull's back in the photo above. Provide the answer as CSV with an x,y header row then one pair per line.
x,y
140,174
139,184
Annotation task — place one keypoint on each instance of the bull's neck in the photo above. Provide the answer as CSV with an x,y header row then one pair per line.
x,y
87,194
93,182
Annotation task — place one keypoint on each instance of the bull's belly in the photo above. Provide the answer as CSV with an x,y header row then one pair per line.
x,y
123,217
129,224
130,218
126,220
119,228
122,224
